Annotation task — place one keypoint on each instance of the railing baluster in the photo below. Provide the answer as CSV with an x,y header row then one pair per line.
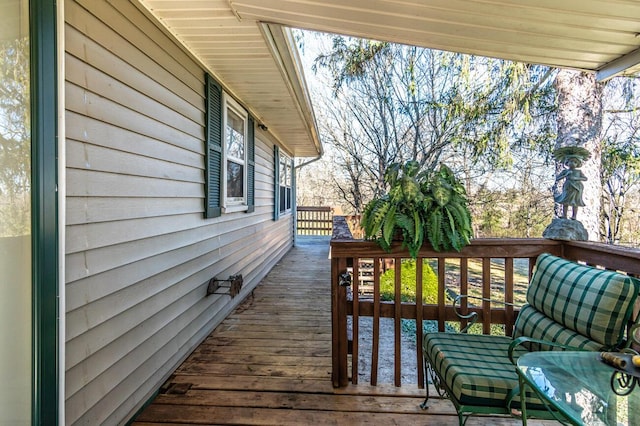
x,y
441,298
376,321
508,295
419,302
397,320
464,289
339,321
532,263
486,293
355,327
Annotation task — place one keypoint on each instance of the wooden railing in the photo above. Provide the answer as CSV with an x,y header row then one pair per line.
x,y
314,220
497,269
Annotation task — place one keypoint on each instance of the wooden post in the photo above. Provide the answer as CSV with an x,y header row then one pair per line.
x,y
339,347
355,321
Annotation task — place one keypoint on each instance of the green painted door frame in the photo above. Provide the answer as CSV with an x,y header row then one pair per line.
x,y
44,132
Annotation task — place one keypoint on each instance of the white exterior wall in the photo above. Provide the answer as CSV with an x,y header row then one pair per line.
x,y
138,252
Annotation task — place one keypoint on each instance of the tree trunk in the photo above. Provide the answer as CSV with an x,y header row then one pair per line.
x,y
579,123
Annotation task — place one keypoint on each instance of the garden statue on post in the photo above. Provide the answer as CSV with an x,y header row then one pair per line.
x,y
571,157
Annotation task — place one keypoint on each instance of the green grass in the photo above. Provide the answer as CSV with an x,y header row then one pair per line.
x,y
408,276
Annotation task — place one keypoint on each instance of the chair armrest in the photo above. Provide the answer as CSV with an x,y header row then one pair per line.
x,y
473,316
524,339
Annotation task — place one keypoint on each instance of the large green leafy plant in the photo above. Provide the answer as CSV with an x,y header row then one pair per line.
x,y
447,216
419,204
399,210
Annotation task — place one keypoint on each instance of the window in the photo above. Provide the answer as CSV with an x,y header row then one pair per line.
x,y
235,136
230,154
284,183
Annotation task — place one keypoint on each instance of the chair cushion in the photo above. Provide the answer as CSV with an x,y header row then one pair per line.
x,y
593,302
475,367
532,323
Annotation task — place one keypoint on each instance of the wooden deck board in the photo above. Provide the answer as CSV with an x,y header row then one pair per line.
x,y
269,363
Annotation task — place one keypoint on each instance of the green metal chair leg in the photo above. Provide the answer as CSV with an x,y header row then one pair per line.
x,y
424,405
523,402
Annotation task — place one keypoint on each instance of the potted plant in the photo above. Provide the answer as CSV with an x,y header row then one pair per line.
x,y
419,204
448,216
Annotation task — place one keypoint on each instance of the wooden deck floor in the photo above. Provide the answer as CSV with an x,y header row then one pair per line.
x,y
269,363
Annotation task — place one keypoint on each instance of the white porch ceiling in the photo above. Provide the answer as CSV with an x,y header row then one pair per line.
x,y
254,62
593,35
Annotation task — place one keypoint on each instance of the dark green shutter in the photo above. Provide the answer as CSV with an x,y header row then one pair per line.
x,y
213,157
251,166
276,182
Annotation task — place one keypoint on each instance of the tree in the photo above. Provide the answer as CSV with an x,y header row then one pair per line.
x,y
517,202
620,165
620,173
393,103
630,225
374,115
579,123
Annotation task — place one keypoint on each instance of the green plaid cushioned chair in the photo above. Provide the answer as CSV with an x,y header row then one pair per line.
x,y
569,306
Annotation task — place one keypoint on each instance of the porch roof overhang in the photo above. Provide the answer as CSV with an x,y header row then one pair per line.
x,y
245,43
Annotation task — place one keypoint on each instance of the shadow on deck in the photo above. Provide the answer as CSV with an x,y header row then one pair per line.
x,y
269,363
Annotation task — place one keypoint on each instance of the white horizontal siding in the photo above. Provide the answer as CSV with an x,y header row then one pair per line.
x,y
139,253
92,131
87,103
82,210
148,79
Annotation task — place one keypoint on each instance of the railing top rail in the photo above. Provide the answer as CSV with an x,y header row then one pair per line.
x,y
344,245
619,258
593,246
478,248
314,208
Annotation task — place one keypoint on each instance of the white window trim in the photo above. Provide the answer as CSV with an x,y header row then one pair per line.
x,y
230,206
287,168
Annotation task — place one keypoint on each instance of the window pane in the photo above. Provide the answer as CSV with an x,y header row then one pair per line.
x,y
283,199
288,179
235,136
283,170
235,180
15,215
